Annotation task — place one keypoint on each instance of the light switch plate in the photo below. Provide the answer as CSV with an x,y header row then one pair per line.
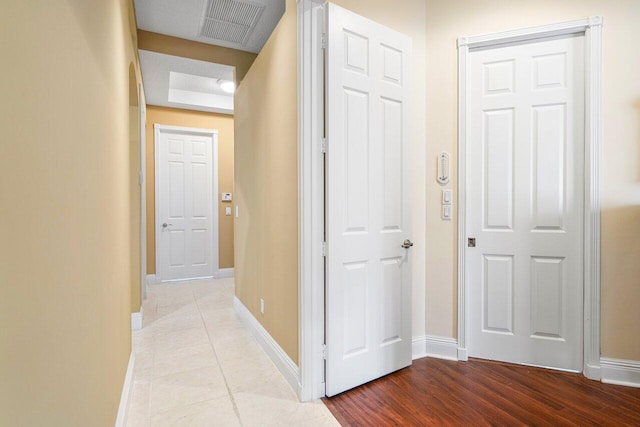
x,y
447,197
446,212
227,211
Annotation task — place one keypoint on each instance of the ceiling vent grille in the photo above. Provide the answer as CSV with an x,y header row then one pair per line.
x,y
230,20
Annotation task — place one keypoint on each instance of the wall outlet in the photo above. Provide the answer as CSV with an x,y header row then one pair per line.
x,y
261,306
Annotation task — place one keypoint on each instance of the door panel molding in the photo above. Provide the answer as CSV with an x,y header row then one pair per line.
x,y
592,30
213,134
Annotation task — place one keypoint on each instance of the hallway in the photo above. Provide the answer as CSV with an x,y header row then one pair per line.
x,y
198,365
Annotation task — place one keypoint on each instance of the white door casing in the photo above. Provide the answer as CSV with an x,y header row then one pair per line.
x,y
311,211
143,191
368,289
186,202
525,200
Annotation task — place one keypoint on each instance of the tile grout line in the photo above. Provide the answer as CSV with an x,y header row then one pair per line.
x,y
226,383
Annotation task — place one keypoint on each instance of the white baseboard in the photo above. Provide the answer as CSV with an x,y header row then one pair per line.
x,y
224,273
125,397
152,279
442,348
431,346
283,362
419,347
136,320
620,371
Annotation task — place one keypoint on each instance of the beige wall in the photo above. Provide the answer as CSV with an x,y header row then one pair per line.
x,y
65,256
267,186
196,119
447,20
266,171
201,51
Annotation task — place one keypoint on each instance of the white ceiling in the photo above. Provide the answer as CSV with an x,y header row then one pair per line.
x,y
252,21
172,81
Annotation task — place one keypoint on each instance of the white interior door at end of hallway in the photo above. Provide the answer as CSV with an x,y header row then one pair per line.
x,y
368,216
186,223
525,202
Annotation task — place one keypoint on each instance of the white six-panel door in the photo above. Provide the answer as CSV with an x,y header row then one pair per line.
x,y
525,203
185,200
368,309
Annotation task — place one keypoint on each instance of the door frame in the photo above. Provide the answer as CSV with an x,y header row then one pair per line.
x,y
592,30
311,274
213,133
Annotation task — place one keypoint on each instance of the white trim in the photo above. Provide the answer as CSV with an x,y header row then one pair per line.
x,y
419,347
157,129
280,358
432,346
592,199
310,198
223,273
441,348
620,371
143,191
592,29
125,397
463,52
523,34
136,320
152,279
462,354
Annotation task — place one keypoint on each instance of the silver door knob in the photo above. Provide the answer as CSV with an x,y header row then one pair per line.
x,y
407,244
165,225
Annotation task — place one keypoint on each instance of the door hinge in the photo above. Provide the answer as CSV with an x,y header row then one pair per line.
x,y
324,145
323,41
324,248
324,352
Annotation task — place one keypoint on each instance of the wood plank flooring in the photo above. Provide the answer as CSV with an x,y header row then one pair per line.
x,y
435,392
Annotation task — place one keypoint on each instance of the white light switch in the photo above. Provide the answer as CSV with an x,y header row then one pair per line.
x,y
446,212
237,212
227,211
447,197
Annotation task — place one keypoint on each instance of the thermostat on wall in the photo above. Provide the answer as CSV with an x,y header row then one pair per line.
x,y
443,167
226,197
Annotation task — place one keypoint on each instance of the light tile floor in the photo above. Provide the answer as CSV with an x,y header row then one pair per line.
x,y
198,365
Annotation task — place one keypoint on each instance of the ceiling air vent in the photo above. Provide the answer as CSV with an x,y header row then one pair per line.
x,y
230,20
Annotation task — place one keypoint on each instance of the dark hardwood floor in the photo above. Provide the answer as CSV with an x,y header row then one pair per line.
x,y
435,392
